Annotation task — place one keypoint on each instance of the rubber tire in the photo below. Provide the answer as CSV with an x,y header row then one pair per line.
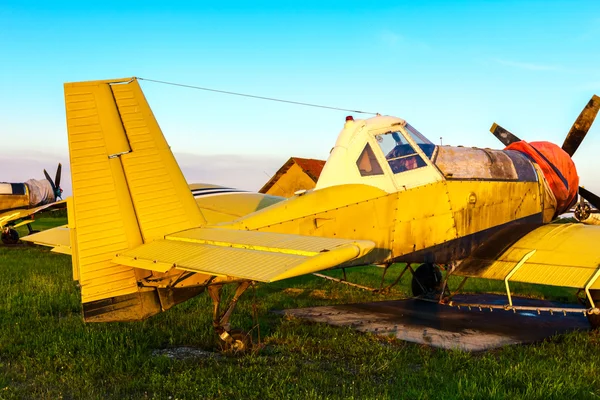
x,y
428,275
12,237
241,342
594,319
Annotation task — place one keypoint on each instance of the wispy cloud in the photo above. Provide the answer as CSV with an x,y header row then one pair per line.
x,y
528,66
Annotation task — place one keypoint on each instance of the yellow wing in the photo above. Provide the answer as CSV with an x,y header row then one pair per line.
x,y
14,215
555,254
259,256
58,238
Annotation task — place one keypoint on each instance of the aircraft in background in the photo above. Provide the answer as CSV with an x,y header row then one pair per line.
x,y
142,243
20,201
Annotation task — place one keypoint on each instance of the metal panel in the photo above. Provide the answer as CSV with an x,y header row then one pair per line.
x,y
478,205
58,237
423,219
264,264
95,129
266,241
474,163
566,255
170,207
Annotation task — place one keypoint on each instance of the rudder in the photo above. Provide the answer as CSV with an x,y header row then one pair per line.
x,y
127,190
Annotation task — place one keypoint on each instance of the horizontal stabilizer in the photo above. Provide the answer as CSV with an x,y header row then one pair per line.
x,y
259,256
58,238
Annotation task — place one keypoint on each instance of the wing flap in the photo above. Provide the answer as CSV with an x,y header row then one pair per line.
x,y
259,256
565,255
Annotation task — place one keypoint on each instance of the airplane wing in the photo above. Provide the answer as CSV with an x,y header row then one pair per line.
x,y
252,255
8,216
58,238
555,254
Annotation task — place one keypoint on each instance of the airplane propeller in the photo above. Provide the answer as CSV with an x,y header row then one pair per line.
x,y
503,135
581,126
56,182
576,134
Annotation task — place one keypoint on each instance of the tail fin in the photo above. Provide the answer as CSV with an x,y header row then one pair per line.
x,y
127,190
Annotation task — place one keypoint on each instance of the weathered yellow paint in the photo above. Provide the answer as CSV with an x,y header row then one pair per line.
x,y
307,246
478,205
291,181
168,206
106,221
13,201
423,219
9,216
566,255
333,212
311,203
58,237
236,258
133,221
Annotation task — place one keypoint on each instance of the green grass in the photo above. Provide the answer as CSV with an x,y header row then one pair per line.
x,y
46,351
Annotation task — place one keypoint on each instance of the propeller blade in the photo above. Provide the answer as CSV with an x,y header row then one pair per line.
x,y
503,135
50,180
590,197
581,126
58,173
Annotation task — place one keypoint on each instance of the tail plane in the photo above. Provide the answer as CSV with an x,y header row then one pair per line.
x,y
127,190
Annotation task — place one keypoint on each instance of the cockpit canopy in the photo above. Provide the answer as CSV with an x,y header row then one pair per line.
x,y
399,153
385,152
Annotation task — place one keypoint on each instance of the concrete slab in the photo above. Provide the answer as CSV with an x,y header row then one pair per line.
x,y
448,327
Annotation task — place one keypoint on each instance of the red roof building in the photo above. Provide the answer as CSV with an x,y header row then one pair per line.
x,y
296,174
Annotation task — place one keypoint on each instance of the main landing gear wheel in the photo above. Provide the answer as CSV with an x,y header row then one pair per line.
x,y
9,236
426,281
595,318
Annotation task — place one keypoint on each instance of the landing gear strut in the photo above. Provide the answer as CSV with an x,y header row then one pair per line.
x,y
234,340
9,236
427,281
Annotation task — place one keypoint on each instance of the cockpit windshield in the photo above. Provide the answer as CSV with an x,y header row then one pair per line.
x,y
400,154
416,135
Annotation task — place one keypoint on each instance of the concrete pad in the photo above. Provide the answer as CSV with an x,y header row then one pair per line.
x,y
448,327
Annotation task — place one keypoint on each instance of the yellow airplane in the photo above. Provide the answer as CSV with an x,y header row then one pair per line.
x,y
19,201
385,195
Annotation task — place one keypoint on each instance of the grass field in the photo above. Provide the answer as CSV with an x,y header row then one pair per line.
x,y
46,351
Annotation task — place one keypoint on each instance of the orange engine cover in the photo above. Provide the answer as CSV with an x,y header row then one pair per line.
x,y
558,168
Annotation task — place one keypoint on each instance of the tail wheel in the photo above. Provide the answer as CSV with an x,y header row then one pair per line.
x,y
9,236
239,341
427,281
595,318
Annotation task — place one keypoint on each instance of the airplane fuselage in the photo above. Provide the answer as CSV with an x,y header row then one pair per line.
x,y
438,222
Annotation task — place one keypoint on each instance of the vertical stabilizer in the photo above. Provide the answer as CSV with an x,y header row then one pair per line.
x,y
127,190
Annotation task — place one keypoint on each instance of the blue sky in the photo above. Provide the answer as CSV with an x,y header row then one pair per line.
x,y
449,68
